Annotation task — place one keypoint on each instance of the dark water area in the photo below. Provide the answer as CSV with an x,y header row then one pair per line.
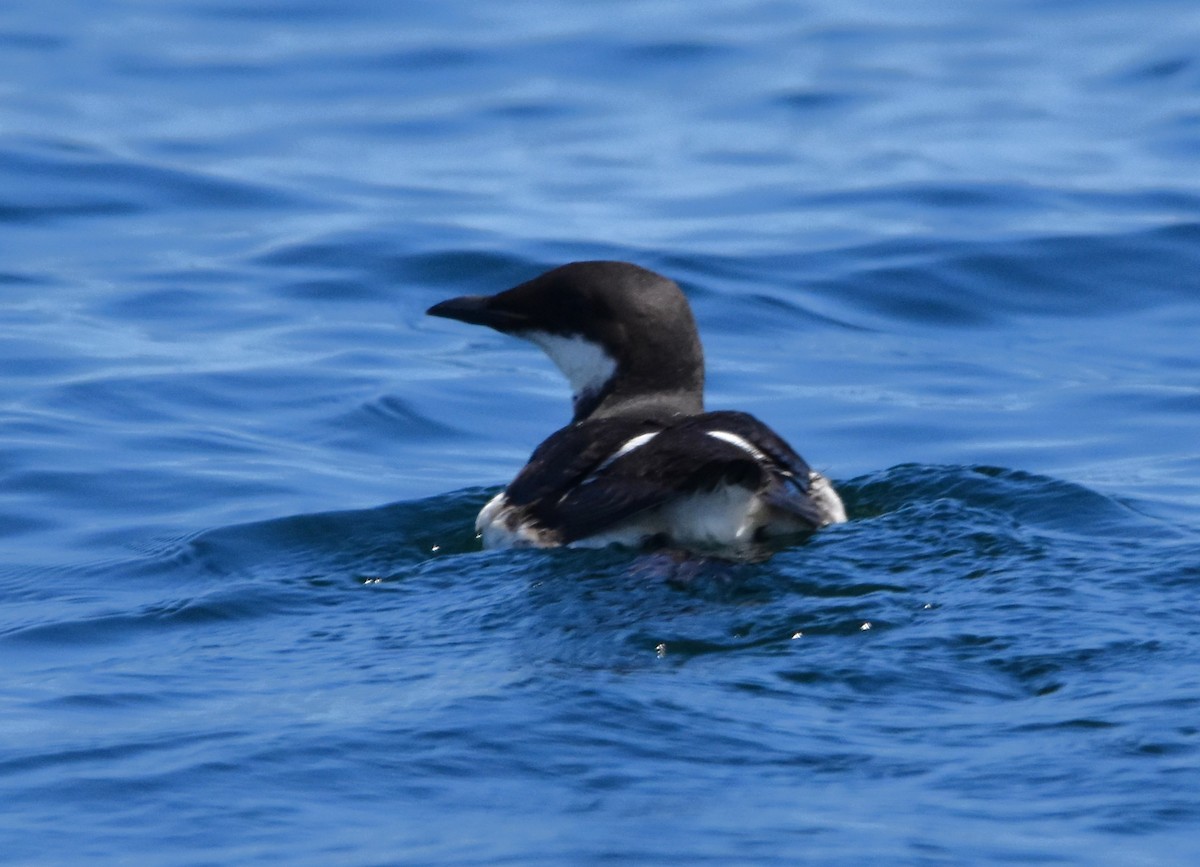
x,y
951,251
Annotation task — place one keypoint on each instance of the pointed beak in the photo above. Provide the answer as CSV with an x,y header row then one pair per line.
x,y
480,310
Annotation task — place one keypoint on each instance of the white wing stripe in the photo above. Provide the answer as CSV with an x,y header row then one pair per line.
x,y
634,443
637,442
735,440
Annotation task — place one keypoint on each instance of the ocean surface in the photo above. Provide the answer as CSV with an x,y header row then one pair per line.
x,y
950,250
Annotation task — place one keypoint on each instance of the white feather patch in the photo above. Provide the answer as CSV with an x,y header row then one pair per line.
x,y
636,442
827,499
500,525
586,365
724,517
735,440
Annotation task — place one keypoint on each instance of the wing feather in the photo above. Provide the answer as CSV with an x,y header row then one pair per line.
x,y
579,482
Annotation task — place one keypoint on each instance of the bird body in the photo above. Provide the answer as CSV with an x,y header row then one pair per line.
x,y
641,462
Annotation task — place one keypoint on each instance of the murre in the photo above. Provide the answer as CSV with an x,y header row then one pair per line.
x,y
641,462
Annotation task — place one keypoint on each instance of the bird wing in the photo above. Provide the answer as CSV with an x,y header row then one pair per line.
x,y
570,455
594,474
788,477
676,462
696,454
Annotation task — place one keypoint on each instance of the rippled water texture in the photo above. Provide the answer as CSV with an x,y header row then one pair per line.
x,y
950,250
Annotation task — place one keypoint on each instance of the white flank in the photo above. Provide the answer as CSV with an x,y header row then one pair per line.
x,y
488,514
725,517
586,365
827,499
500,526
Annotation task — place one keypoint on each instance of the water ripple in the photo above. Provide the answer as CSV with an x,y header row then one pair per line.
x,y
949,250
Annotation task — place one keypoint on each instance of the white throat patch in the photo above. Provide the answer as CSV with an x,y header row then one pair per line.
x,y
586,365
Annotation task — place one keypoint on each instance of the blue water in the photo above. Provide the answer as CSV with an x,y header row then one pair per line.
x,y
950,250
